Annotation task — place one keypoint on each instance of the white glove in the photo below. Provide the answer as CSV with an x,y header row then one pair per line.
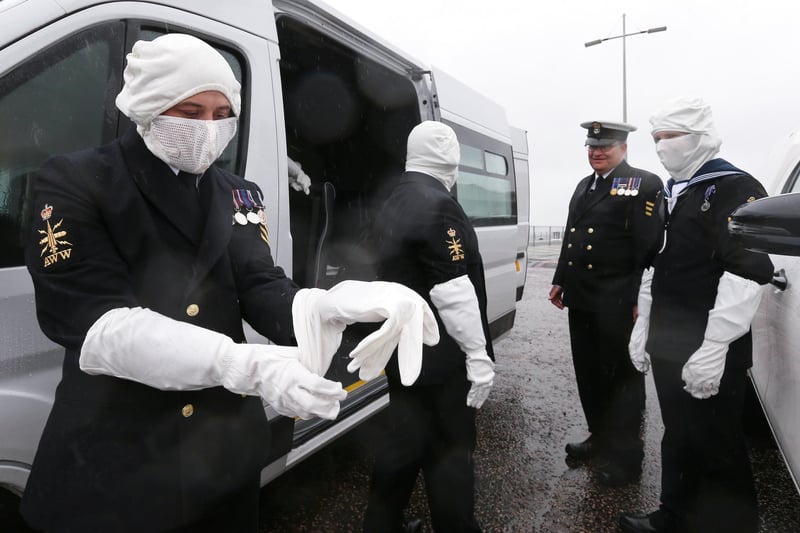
x,y
480,371
734,309
320,316
144,346
458,308
298,180
638,340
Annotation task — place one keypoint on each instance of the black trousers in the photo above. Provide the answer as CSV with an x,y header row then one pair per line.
x,y
610,388
706,478
428,428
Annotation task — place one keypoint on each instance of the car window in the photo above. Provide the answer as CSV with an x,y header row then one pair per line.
x,y
53,103
793,183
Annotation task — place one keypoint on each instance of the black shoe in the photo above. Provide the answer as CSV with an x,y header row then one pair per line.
x,y
614,475
412,526
582,450
655,522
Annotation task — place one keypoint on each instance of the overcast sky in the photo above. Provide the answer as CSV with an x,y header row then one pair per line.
x,y
742,57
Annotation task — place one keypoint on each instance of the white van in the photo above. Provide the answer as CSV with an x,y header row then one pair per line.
x,y
316,88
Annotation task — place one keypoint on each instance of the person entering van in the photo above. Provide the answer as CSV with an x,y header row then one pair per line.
x,y
145,258
696,304
613,227
426,242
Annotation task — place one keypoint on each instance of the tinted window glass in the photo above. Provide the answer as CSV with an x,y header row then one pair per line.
x,y
471,156
55,102
485,188
496,164
485,197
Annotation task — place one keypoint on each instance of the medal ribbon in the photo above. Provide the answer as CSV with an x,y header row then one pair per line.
x,y
244,194
236,204
251,199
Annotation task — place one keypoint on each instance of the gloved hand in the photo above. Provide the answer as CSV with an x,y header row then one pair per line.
x,y
638,340
458,308
480,371
734,308
703,371
298,180
141,345
320,316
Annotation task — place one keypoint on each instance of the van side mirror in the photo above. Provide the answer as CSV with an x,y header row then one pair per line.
x,y
769,225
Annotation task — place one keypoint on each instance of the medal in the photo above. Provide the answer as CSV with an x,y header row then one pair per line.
x,y
705,207
634,192
240,218
262,217
253,218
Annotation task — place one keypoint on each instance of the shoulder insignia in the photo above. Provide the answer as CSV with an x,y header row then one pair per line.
x,y
54,246
454,246
648,207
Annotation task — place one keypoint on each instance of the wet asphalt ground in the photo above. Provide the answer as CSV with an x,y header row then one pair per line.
x,y
523,483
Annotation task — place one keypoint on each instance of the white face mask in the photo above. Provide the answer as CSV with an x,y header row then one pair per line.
x,y
683,156
188,144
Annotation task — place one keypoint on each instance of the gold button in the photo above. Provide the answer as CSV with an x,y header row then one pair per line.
x,y
590,230
569,263
193,310
572,230
589,247
569,245
589,267
188,410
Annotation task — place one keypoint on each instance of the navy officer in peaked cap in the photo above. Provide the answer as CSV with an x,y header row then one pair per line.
x,y
613,229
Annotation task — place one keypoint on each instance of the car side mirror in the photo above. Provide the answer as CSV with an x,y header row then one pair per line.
x,y
769,225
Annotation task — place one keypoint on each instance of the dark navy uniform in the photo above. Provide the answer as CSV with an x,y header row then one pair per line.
x,y
425,239
119,229
611,234
705,469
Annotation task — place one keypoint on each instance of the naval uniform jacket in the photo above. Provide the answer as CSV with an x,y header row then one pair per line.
x,y
117,228
609,238
425,239
698,249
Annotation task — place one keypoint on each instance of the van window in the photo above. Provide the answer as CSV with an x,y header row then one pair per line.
x,y
486,187
53,103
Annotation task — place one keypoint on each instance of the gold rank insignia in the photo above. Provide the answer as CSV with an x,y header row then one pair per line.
x,y
53,240
455,246
263,232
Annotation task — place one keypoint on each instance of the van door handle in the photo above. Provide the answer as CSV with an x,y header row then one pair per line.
x,y
779,280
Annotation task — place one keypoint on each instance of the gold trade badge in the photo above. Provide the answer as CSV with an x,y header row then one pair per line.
x,y
455,246
263,232
53,240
